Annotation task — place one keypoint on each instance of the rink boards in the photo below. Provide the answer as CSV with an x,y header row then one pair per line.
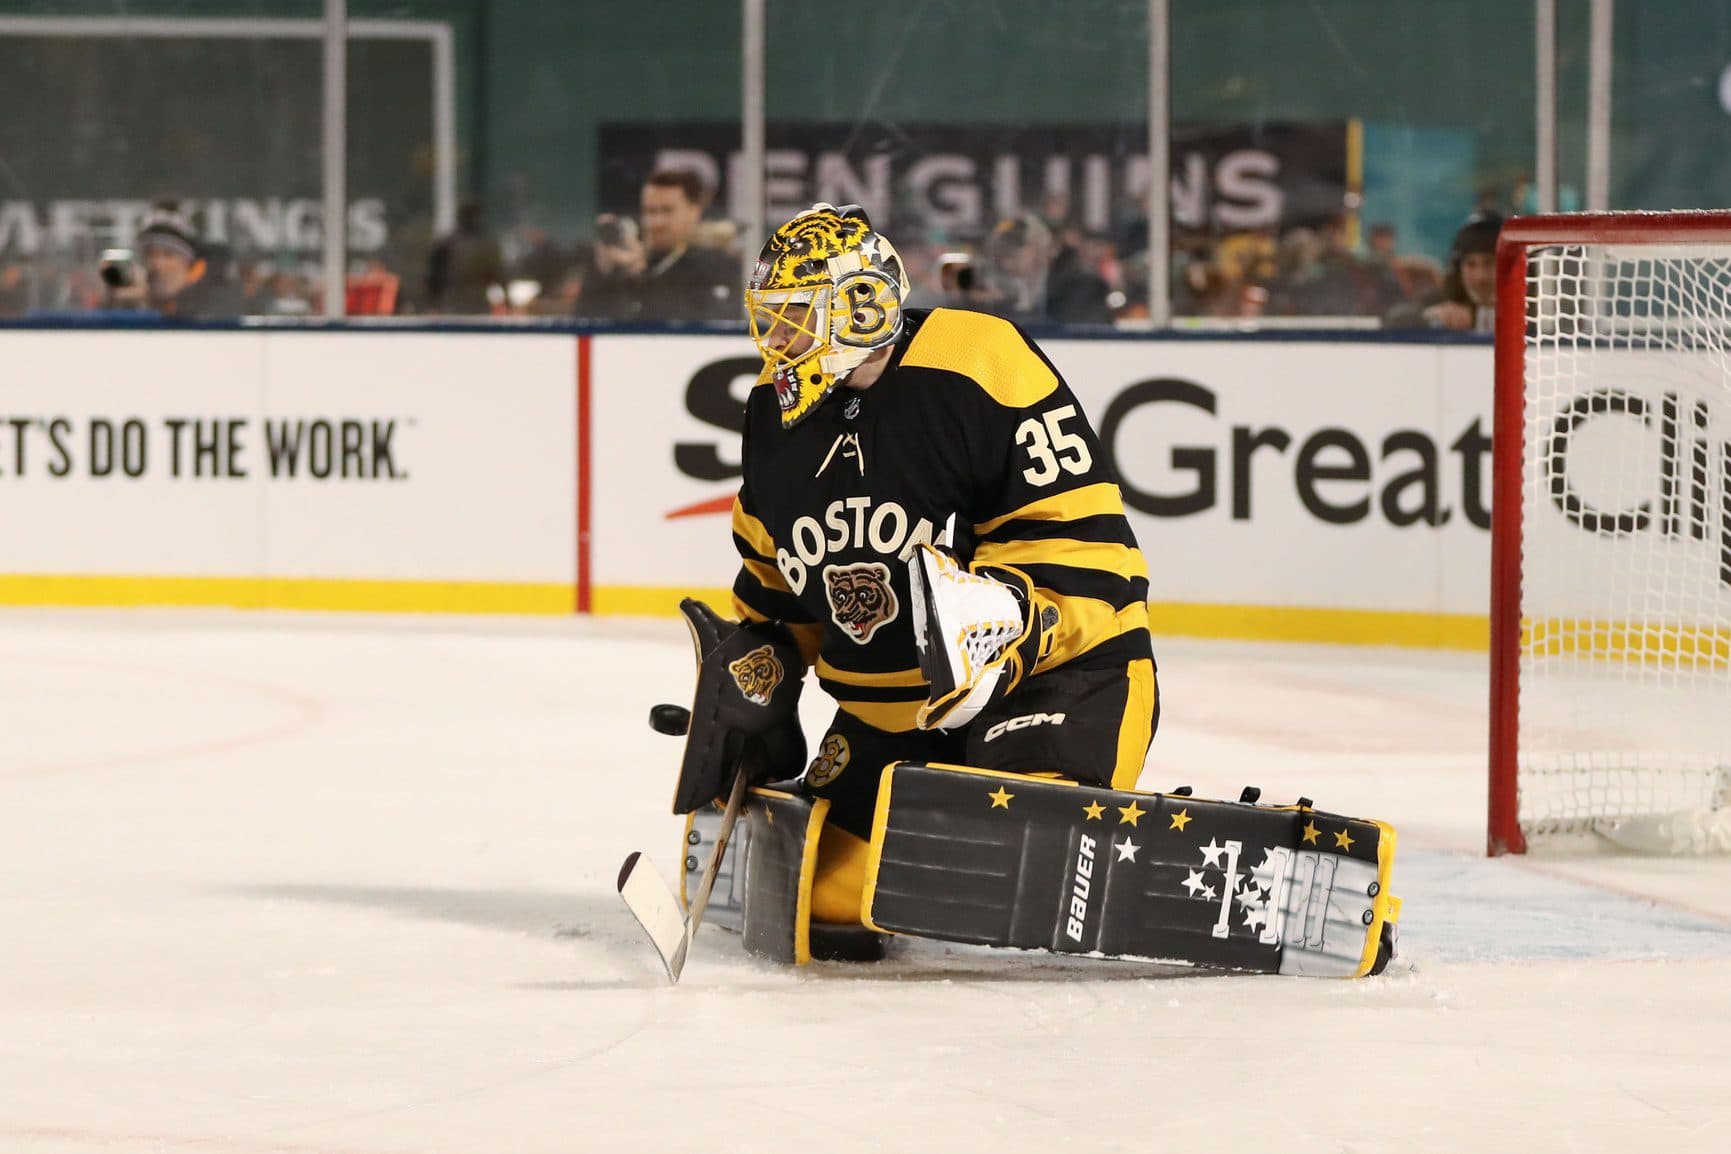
x,y
1301,489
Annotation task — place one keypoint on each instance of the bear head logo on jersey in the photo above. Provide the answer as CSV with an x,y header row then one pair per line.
x,y
757,674
860,598
825,294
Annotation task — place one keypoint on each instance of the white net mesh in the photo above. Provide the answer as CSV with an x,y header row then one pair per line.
x,y
1625,667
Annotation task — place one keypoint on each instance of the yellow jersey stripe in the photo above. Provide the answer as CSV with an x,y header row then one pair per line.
x,y
1109,558
766,575
751,531
807,636
889,716
1073,505
898,678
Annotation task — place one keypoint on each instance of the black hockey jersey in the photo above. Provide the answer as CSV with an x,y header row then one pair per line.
x,y
968,419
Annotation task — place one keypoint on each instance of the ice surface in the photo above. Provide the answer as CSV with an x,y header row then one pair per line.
x,y
345,885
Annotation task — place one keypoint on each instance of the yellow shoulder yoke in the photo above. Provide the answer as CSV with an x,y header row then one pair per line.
x,y
988,351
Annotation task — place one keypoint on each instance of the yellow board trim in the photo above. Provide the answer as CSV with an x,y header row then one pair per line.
x,y
1171,619
306,593
651,600
1695,648
1321,626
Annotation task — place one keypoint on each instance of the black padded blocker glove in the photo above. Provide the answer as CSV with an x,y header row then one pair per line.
x,y
745,710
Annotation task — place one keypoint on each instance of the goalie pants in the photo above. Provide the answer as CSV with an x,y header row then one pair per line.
x,y
1086,723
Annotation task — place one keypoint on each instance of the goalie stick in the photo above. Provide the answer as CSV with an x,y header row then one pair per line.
x,y
647,895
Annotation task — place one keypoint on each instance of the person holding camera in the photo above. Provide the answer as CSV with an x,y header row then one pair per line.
x,y
465,265
664,274
170,274
1467,299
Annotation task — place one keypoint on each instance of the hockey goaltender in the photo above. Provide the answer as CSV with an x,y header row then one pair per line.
x,y
927,521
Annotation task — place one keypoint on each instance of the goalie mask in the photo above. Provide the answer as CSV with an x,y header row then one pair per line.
x,y
827,292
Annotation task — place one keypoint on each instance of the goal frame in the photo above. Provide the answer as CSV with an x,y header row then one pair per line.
x,y
1508,438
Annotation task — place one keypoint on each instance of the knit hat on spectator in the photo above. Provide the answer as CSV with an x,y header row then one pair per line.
x,y
168,230
1477,235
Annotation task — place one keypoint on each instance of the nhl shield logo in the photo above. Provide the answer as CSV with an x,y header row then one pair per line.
x,y
757,674
860,598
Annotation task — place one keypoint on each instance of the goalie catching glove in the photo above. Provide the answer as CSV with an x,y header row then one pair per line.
x,y
978,630
745,711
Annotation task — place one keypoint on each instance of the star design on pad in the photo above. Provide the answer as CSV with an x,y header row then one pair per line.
x,y
1213,851
1195,884
1343,840
1094,810
1255,917
1001,799
1310,831
1132,813
1208,893
1262,876
1180,820
1250,895
1127,850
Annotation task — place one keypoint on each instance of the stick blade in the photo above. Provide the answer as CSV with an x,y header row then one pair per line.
x,y
657,910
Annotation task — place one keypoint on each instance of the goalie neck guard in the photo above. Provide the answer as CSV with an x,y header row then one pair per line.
x,y
827,292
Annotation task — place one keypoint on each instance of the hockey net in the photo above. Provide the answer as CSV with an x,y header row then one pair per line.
x,y
1611,533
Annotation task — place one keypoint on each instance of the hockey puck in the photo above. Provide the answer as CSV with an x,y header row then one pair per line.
x,y
673,720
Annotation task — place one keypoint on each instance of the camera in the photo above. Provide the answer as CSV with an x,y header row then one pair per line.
x,y
956,273
615,231
118,268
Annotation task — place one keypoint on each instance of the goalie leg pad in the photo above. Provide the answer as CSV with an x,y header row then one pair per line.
x,y
780,873
727,899
1000,859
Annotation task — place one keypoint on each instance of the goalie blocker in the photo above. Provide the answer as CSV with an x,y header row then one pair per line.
x,y
1000,859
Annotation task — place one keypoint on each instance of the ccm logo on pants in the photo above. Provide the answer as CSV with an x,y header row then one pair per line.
x,y
1027,720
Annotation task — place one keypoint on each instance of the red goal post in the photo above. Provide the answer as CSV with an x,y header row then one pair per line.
x,y
1611,600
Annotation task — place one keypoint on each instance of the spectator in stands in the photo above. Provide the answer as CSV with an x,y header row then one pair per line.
x,y
464,265
960,285
543,261
608,270
14,294
1020,250
665,275
1076,293
1298,268
1468,296
177,277
1383,285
